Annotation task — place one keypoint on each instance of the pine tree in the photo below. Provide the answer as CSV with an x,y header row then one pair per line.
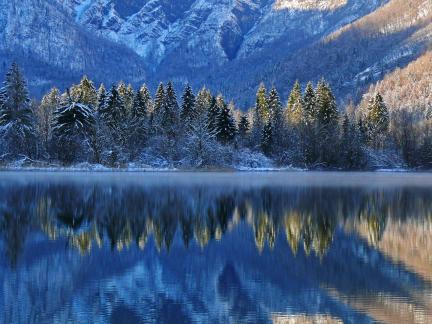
x,y
115,115
17,121
226,128
276,116
294,110
267,139
102,98
158,107
261,114
85,93
171,113
327,125
309,105
243,126
127,93
212,116
203,101
72,119
377,121
327,111
73,124
49,104
188,112
138,126
351,151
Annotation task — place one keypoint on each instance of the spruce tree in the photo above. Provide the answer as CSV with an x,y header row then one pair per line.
x,y
226,128
327,125
261,114
49,104
73,124
327,111
17,121
159,106
243,126
188,112
171,113
114,115
377,121
267,139
203,101
85,93
212,116
309,105
138,126
294,110
102,98
276,115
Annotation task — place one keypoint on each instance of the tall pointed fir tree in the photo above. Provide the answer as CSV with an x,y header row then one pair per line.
x,y
158,109
85,93
309,105
127,93
188,112
212,116
138,129
243,126
226,127
17,120
276,117
203,101
73,124
102,98
115,116
294,110
327,119
351,155
49,104
377,121
267,139
171,113
261,114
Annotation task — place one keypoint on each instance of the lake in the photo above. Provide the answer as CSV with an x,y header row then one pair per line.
x,y
300,247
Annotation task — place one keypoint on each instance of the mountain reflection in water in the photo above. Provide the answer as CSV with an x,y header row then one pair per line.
x,y
174,248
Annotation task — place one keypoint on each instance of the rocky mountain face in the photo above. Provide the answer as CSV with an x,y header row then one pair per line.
x,y
229,45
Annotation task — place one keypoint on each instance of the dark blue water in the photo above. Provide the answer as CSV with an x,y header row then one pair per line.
x,y
215,248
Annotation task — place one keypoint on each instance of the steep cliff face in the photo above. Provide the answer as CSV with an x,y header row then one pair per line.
x,y
231,46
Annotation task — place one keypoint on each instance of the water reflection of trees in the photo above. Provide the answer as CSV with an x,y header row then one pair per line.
x,y
88,216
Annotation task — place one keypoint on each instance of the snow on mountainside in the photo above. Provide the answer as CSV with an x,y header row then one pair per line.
x,y
202,41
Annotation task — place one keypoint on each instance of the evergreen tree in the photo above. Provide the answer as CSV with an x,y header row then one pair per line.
x,y
276,116
159,106
17,122
327,123
309,104
212,116
72,126
50,103
294,110
127,94
188,112
203,101
115,116
138,126
267,139
171,113
351,152
261,113
327,111
243,126
226,128
102,98
377,121
85,93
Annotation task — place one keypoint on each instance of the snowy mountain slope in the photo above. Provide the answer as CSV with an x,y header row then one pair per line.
x,y
211,41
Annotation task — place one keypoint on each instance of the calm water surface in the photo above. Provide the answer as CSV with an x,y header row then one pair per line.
x,y
215,248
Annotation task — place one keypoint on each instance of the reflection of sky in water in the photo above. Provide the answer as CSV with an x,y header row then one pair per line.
x,y
160,248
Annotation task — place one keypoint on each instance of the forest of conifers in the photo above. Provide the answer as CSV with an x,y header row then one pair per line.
x,y
120,126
